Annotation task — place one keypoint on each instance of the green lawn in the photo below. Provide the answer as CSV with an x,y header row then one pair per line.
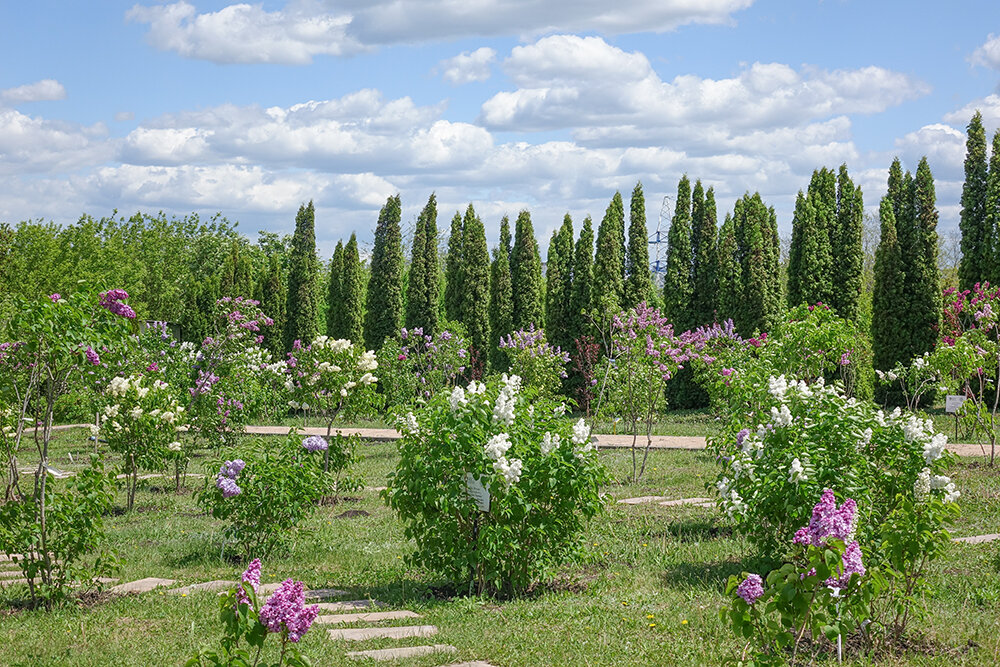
x,y
646,589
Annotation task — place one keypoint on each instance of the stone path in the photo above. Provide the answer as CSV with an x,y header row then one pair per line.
x,y
395,632
977,539
383,654
142,585
662,500
365,617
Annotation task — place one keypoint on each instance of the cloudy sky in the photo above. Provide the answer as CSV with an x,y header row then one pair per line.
x,y
550,105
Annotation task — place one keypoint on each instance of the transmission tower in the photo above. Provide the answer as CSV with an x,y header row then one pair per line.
x,y
658,258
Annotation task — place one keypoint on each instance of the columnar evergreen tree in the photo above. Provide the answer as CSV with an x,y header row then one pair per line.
x,y
453,267
977,237
353,286
505,238
848,251
609,262
703,278
810,265
335,294
803,218
236,276
476,285
270,291
639,281
559,287
677,287
526,275
925,312
385,285
772,247
302,303
501,300
993,207
759,308
889,302
583,270
729,274
423,285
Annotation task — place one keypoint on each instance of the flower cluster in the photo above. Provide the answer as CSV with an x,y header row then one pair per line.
x,y
315,443
530,353
286,612
751,589
112,301
503,411
251,577
225,481
830,522
324,375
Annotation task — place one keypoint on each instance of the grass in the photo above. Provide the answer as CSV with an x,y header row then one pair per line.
x,y
645,590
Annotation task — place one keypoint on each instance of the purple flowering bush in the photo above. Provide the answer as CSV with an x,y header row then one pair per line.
x,y
539,364
417,365
266,492
823,592
248,620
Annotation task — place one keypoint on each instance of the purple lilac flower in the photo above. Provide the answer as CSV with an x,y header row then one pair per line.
x,y
232,469
92,357
830,521
285,611
250,576
851,564
112,302
228,486
741,436
315,443
55,297
751,589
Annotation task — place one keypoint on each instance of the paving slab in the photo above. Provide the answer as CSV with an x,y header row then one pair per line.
x,y
11,582
474,663
399,653
349,605
366,617
11,574
267,589
217,585
641,500
325,593
142,585
698,502
398,632
977,539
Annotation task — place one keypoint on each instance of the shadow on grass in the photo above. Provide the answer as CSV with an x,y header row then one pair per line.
x,y
713,574
694,530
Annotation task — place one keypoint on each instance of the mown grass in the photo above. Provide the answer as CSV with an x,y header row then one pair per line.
x,y
646,588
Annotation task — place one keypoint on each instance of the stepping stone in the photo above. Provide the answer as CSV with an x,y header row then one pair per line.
x,y
142,585
474,663
267,589
978,539
398,653
10,574
350,605
217,585
641,500
700,502
325,593
11,582
400,632
375,488
366,617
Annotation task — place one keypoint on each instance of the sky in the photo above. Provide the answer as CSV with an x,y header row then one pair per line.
x,y
550,105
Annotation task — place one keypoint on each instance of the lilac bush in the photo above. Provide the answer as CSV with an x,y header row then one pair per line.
x,y
540,364
417,365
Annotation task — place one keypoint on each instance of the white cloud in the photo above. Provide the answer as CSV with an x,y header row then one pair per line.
x,y
30,144
123,116
988,106
468,66
988,55
40,91
302,29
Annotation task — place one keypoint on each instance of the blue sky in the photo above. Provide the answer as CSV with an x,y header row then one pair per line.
x,y
251,109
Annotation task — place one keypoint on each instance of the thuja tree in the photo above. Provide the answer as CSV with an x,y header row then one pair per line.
x,y
383,316
924,281
55,339
501,298
639,282
476,289
424,282
608,290
353,286
993,201
888,299
677,281
756,251
236,276
977,237
583,276
846,245
705,266
302,272
559,285
526,274
453,271
729,274
273,299
334,294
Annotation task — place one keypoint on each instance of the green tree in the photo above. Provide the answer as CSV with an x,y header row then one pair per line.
x,y
925,312
353,285
271,294
993,206
846,242
889,303
639,282
335,294
476,286
501,299
759,308
236,276
559,286
583,275
385,287
609,262
302,304
729,273
422,292
810,265
453,268
526,275
977,237
703,279
505,237
677,289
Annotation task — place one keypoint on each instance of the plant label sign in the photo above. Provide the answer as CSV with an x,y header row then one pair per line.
x,y
953,403
479,493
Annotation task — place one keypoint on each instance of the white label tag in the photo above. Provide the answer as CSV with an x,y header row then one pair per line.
x,y
478,492
953,403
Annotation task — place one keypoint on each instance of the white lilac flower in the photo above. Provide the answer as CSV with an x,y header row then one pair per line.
x,y
895,414
796,473
136,412
116,426
94,430
367,362
735,504
777,386
922,485
497,446
324,366
168,417
142,391
913,428
118,386
503,411
340,345
294,404
581,432
174,446
866,436
511,470
880,374
723,486
951,493
935,448
550,442
782,417
476,388
919,362
410,423
457,398
944,483
367,379
111,411
804,389
560,410
343,394
289,385
892,376
752,446
880,418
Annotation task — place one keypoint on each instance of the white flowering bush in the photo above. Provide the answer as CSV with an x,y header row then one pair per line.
x,y
140,421
807,438
494,485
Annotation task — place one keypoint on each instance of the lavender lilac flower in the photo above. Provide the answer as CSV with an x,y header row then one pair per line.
x,y
250,576
112,302
315,443
285,611
92,357
751,588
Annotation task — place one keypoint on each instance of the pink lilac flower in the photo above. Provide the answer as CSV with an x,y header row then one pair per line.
x,y
232,469
751,589
55,297
112,302
315,443
851,564
250,576
92,357
830,521
285,611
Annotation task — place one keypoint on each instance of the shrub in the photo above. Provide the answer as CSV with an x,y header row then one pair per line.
x,y
536,478
418,365
539,365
